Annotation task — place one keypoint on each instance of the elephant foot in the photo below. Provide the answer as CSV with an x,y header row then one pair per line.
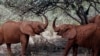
x,y
10,55
22,55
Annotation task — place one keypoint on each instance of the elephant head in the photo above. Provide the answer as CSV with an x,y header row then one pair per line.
x,y
34,27
65,30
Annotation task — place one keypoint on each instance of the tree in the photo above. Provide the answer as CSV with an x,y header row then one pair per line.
x,y
43,6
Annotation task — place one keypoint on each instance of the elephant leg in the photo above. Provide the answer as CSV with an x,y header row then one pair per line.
x,y
9,49
75,49
24,42
68,47
95,52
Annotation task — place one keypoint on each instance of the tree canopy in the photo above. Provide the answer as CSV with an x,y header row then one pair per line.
x,y
42,6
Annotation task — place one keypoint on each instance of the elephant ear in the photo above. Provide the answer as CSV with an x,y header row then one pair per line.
x,y
71,33
27,29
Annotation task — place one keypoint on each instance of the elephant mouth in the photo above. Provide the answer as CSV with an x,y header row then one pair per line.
x,y
58,34
61,34
38,33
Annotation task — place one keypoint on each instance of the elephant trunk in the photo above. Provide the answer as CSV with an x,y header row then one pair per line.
x,y
46,22
54,26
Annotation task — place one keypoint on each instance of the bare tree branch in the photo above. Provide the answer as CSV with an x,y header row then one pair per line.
x,y
69,14
95,8
43,6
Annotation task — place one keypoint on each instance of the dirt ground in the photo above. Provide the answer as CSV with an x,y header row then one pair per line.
x,y
38,51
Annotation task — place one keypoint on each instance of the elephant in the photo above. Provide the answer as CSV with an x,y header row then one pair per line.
x,y
87,36
12,32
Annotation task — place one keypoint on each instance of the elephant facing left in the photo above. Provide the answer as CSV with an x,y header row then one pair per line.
x,y
15,32
87,36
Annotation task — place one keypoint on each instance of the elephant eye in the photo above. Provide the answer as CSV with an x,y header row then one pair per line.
x,y
65,30
40,28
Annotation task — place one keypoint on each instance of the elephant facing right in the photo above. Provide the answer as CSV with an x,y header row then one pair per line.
x,y
87,36
12,32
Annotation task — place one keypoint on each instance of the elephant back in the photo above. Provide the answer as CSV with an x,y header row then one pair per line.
x,y
86,31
